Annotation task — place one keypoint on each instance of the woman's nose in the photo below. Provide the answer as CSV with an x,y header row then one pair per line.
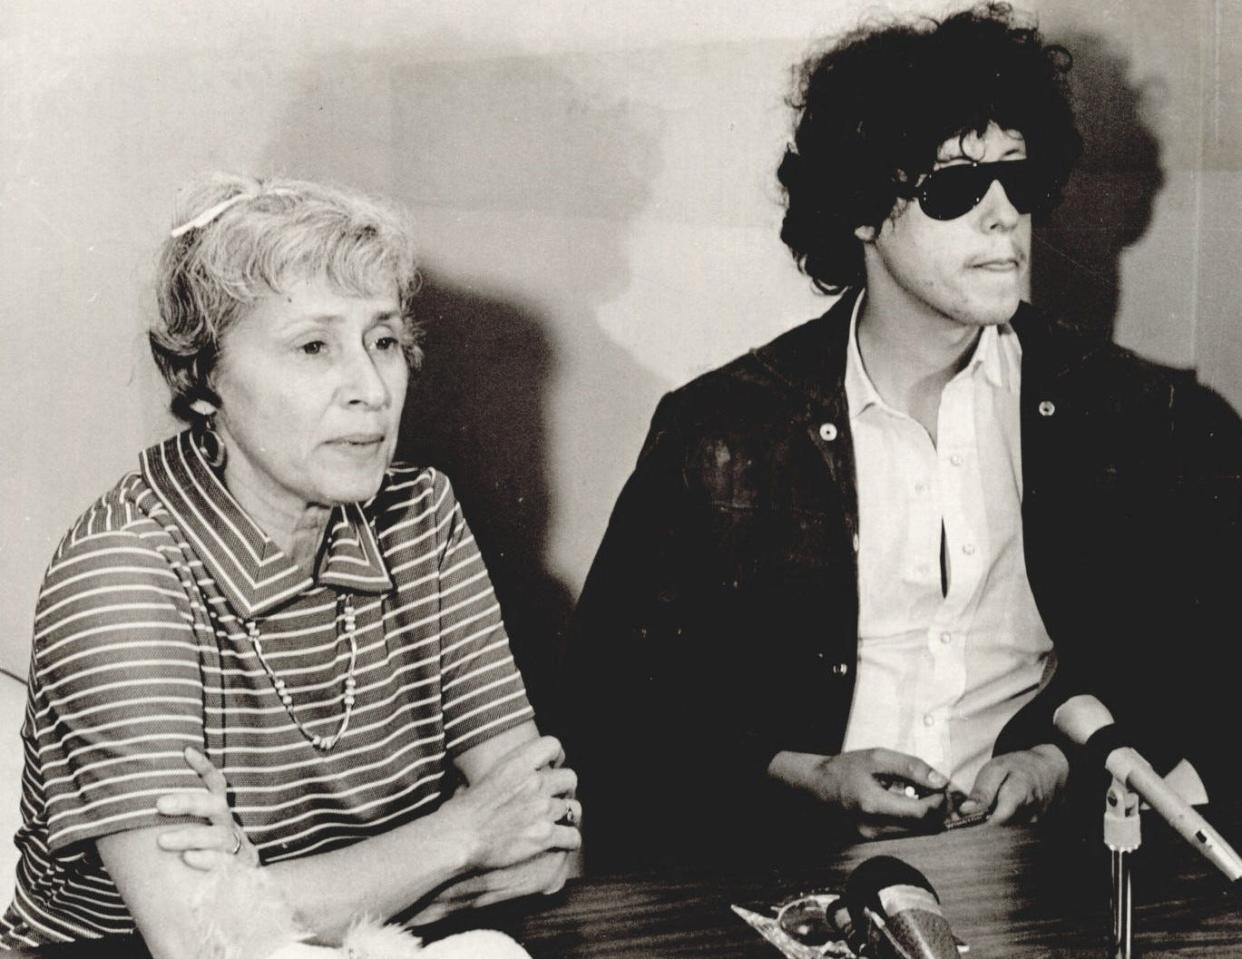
x,y
361,380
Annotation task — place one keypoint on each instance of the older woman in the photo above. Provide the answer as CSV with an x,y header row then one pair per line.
x,y
268,588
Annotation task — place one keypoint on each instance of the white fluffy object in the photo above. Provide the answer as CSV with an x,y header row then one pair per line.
x,y
240,914
375,941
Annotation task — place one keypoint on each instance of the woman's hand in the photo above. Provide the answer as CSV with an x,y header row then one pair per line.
x,y
521,807
208,846
544,874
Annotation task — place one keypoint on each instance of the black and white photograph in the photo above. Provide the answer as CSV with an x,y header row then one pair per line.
x,y
630,479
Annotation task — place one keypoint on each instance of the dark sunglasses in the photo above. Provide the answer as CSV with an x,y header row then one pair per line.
x,y
953,191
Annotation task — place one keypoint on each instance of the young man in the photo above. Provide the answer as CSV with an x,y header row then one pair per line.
x,y
856,570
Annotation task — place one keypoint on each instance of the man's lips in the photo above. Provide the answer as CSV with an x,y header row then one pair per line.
x,y
998,264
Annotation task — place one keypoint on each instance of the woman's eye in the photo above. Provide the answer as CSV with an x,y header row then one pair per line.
x,y
385,343
313,348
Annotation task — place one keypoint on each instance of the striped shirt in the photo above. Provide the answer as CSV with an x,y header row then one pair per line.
x,y
141,649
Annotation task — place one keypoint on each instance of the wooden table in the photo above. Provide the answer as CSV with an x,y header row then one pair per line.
x,y
1008,892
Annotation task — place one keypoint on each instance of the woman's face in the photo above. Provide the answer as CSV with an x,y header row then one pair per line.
x,y
311,384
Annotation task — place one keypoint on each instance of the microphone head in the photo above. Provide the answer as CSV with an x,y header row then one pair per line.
x,y
1080,717
863,888
895,912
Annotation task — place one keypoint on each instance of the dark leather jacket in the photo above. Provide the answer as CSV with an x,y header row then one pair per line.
x,y
718,624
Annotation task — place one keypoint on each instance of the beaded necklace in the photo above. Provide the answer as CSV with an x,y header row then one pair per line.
x,y
345,612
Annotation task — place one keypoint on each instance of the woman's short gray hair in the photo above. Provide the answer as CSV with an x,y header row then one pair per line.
x,y
240,238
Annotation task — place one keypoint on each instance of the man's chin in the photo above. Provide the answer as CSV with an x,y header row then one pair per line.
x,y
993,313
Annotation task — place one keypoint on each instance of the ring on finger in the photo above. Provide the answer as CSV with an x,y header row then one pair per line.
x,y
237,843
571,814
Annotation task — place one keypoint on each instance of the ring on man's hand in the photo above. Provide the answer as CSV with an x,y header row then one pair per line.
x,y
570,818
237,843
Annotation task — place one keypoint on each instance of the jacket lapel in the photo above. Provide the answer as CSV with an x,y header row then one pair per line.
x,y
810,362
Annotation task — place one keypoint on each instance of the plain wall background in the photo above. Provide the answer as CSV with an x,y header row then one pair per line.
x,y
594,185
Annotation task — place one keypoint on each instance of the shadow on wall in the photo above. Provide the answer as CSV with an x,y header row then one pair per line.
x,y
1108,202
530,172
478,412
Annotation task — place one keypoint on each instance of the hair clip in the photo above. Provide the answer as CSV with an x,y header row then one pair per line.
x,y
209,214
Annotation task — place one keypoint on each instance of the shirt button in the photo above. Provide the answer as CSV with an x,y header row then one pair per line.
x,y
1047,408
956,459
840,669
968,549
827,432
856,543
946,638
929,719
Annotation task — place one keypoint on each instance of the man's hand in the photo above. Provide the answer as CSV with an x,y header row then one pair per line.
x,y
857,783
1018,787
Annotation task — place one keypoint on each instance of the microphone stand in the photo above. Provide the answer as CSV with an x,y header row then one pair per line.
x,y
1122,835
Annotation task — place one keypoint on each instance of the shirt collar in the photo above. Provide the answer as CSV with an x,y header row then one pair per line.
x,y
860,392
997,355
254,574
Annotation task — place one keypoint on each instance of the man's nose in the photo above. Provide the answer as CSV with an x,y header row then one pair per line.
x,y
998,211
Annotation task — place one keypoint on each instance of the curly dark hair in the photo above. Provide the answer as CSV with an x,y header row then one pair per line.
x,y
875,108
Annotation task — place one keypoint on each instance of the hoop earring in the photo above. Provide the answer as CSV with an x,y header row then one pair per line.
x,y
211,446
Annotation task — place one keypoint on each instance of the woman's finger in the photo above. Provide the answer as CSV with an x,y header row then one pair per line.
x,y
212,778
565,837
571,814
557,880
559,782
200,805
198,837
534,753
205,860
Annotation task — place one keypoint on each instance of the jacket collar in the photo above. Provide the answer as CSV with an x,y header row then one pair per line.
x,y
811,359
1050,348
254,574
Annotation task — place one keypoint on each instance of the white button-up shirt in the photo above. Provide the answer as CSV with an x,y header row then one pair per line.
x,y
940,673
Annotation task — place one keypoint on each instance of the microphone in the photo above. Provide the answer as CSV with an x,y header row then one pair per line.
x,y
895,913
1087,722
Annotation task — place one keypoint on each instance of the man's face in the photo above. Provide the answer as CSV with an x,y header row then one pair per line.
x,y
970,270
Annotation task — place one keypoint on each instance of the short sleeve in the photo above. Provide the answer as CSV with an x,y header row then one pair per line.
x,y
116,687
482,691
